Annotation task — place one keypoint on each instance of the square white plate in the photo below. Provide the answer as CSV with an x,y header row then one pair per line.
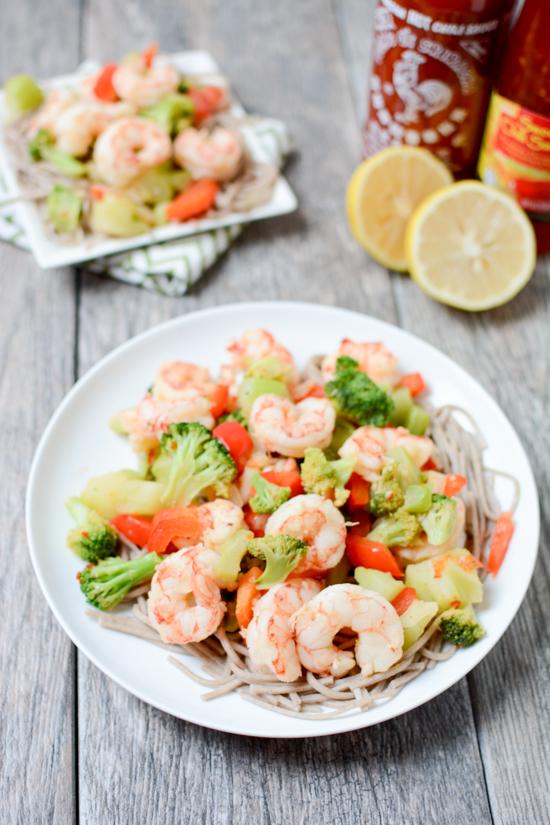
x,y
50,254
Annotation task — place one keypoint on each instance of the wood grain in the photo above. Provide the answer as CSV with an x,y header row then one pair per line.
x,y
507,350
37,686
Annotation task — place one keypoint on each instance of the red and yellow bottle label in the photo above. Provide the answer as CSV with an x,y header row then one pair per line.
x,y
516,154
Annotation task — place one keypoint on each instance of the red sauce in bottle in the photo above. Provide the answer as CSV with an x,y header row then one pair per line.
x,y
431,75
516,145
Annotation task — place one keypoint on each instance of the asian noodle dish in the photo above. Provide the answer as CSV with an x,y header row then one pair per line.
x,y
317,537
134,146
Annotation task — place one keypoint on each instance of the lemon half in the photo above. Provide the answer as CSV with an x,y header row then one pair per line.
x,y
382,194
470,246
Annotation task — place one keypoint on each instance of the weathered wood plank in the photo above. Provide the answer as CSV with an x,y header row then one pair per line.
x,y
385,774
507,350
37,311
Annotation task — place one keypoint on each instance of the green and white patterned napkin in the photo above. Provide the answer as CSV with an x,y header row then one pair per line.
x,y
173,266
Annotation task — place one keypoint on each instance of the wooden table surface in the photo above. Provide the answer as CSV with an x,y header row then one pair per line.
x,y
77,748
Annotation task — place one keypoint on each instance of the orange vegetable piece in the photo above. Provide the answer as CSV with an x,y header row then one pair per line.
x,y
502,535
197,199
247,595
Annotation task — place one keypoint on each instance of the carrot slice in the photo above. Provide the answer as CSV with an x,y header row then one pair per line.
x,y
198,198
247,595
413,382
502,535
404,599
218,400
453,484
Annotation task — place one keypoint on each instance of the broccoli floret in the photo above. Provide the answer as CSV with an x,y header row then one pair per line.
x,y
398,529
271,367
356,396
440,520
92,538
281,555
268,497
194,463
109,581
459,626
236,415
324,477
386,494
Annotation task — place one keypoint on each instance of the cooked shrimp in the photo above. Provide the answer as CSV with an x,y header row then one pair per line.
x,y
378,627
269,636
78,126
316,521
370,445
254,345
219,519
218,154
128,147
141,84
146,422
176,377
283,427
373,358
57,101
421,549
185,603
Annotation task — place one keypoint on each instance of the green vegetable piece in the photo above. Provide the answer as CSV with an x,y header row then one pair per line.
x,y
252,388
340,573
159,213
415,620
64,207
281,555
106,584
42,147
236,415
418,498
122,492
448,579
22,95
271,367
118,216
407,470
356,396
398,529
439,522
170,111
386,494
231,554
92,538
342,431
324,477
383,583
158,185
268,497
460,626
418,420
192,463
402,404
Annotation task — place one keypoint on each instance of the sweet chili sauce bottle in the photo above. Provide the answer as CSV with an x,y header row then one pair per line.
x,y
516,144
431,76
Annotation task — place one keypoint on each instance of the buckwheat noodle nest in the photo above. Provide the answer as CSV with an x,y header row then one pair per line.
x,y
224,658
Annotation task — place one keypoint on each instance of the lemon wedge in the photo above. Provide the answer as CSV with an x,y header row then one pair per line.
x,y
383,192
470,246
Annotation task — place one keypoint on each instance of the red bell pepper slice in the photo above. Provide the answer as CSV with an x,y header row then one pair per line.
x,y
365,553
135,528
181,523
237,440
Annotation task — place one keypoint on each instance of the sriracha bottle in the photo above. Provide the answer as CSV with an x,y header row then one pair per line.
x,y
431,76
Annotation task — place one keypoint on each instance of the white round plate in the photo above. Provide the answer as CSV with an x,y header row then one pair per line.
x,y
121,378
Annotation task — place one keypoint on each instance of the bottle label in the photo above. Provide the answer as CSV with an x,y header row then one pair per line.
x,y
516,154
429,81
